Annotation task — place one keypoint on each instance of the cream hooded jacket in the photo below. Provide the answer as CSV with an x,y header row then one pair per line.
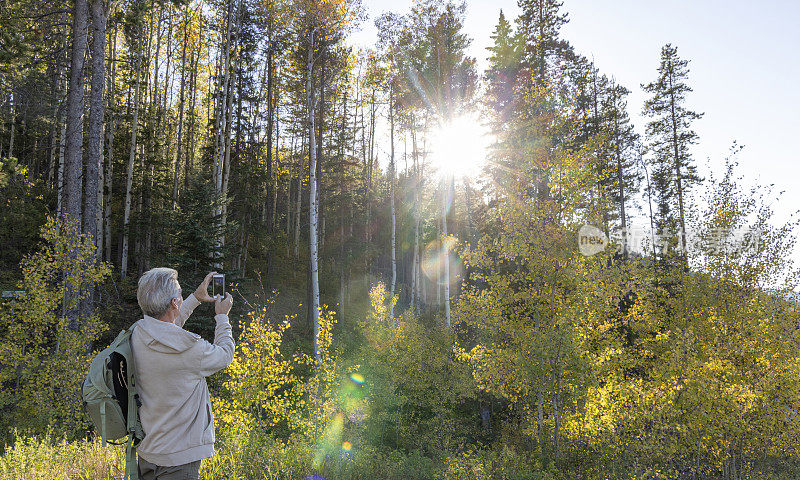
x,y
170,367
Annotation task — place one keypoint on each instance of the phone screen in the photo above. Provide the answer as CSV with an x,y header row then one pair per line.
x,y
218,285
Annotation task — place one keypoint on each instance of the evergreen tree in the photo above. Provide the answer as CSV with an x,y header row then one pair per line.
x,y
670,137
624,177
539,25
504,65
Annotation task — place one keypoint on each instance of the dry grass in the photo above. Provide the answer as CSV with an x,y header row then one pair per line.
x,y
46,458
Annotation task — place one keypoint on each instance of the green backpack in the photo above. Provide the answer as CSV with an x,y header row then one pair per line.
x,y
110,398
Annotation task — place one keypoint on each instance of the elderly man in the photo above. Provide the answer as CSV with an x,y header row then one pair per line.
x,y
170,367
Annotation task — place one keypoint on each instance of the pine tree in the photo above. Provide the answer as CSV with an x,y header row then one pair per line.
x,y
624,176
539,25
504,65
670,137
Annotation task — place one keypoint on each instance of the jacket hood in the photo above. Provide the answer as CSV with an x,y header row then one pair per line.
x,y
165,337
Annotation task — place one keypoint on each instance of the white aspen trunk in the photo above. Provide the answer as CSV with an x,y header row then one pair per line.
x,y
391,206
222,130
417,187
192,117
110,129
369,170
180,118
108,189
226,165
277,157
439,266
312,197
446,255
129,183
58,109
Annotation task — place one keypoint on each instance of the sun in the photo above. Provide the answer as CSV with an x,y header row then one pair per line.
x,y
459,147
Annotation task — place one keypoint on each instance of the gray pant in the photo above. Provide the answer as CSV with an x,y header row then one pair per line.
x,y
187,471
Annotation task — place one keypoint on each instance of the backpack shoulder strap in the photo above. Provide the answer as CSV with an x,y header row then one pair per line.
x,y
135,432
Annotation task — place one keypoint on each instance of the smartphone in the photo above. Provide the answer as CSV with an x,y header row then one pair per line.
x,y
218,285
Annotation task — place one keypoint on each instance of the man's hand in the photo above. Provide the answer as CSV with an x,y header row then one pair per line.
x,y
223,305
202,291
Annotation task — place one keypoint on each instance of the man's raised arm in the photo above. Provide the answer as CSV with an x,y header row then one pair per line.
x,y
193,300
219,354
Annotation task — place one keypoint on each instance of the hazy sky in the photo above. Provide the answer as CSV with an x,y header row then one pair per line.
x,y
744,69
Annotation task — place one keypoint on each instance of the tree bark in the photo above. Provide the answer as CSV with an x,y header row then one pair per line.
x,y
73,166
391,205
97,110
415,280
313,308
180,116
131,158
298,203
190,147
446,252
620,177
110,130
678,178
270,112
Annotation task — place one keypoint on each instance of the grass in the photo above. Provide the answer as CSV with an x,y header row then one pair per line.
x,y
249,457
30,458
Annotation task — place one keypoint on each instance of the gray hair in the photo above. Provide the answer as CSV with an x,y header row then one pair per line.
x,y
157,288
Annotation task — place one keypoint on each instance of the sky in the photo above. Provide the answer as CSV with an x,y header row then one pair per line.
x,y
743,63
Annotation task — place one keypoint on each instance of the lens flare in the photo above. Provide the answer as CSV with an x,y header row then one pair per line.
x,y
357,378
434,258
329,440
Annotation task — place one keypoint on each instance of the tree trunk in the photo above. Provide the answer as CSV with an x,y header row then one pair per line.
x,y
110,130
313,308
446,252
61,124
319,212
12,127
73,168
415,279
289,169
277,159
180,116
234,67
620,178
222,131
190,147
678,178
298,204
131,158
96,119
342,259
270,112
391,206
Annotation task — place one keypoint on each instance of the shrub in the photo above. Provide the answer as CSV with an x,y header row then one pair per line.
x,y
43,360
